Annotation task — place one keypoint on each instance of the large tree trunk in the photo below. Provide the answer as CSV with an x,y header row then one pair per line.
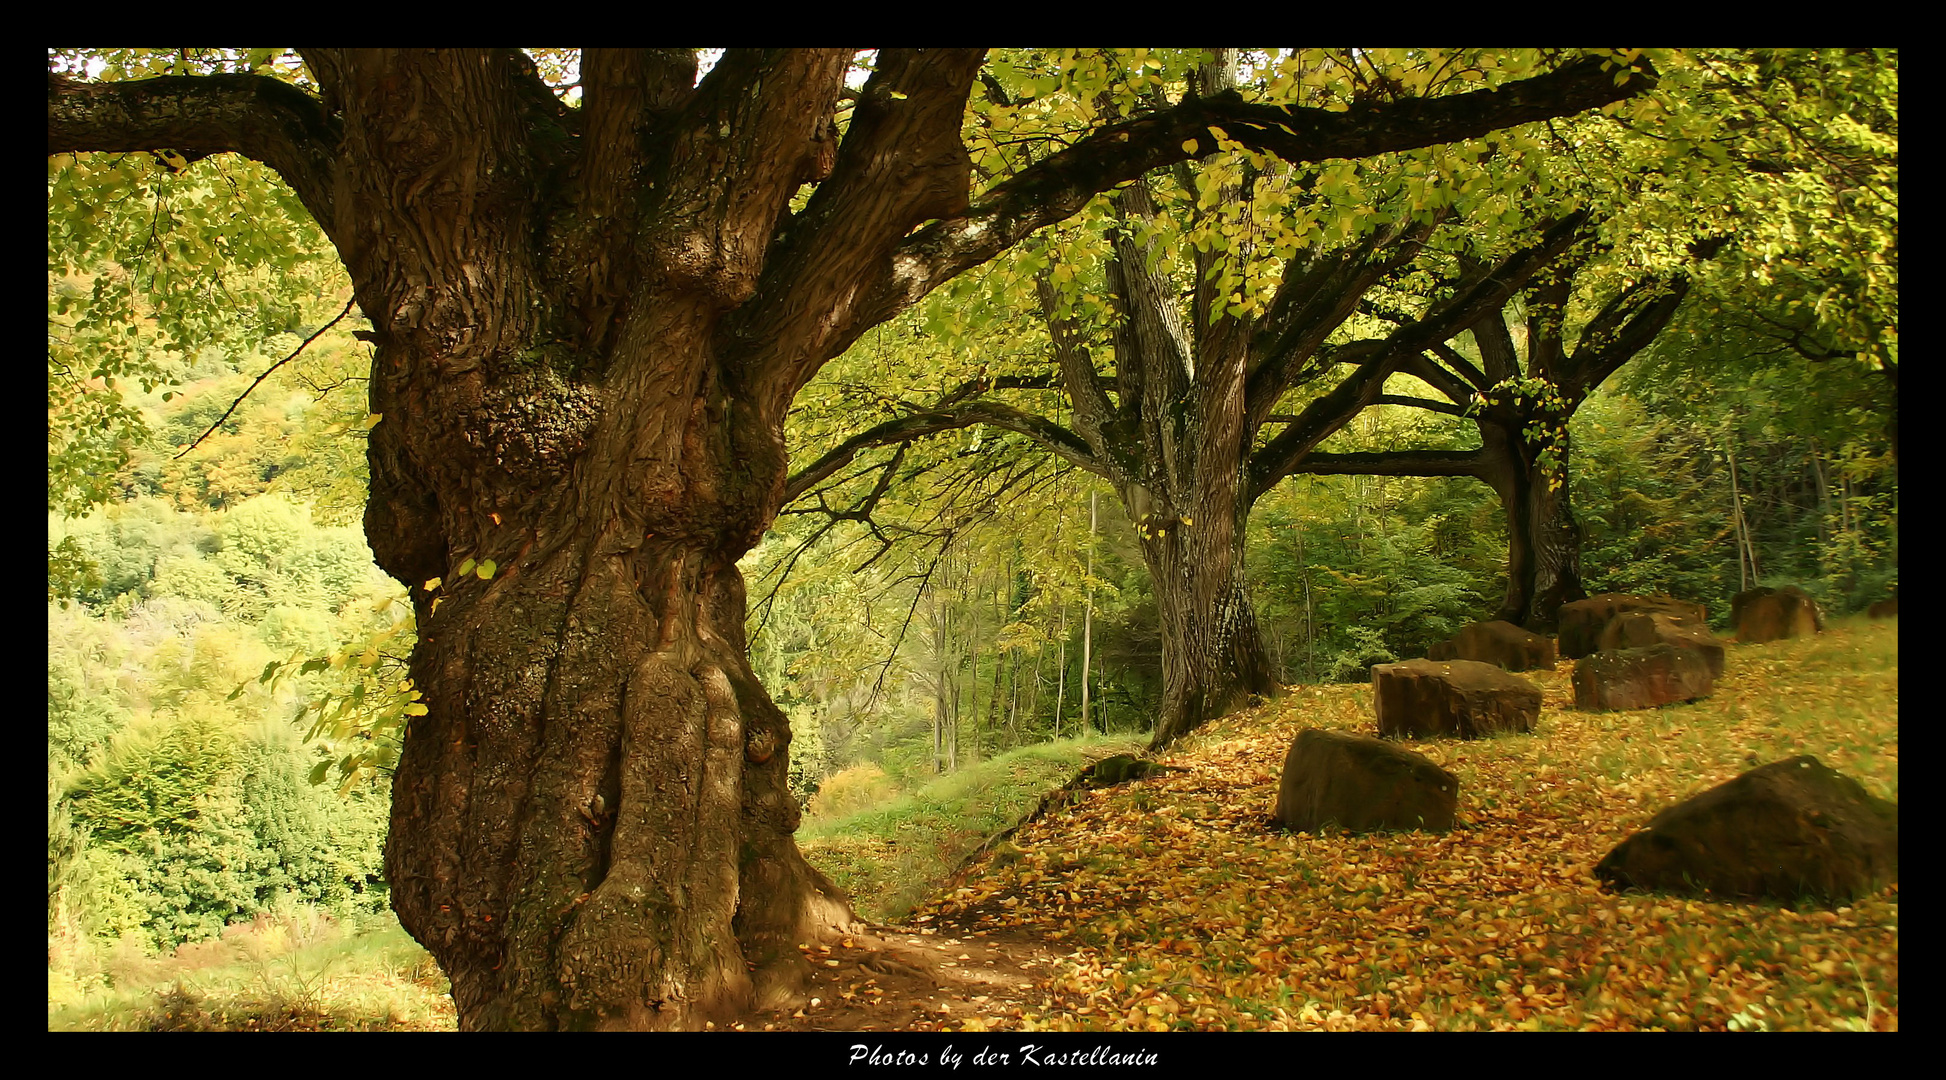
x,y
592,824
1543,538
1213,656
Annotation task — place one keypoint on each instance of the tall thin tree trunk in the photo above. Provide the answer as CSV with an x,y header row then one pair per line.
x,y
1746,547
1088,618
1061,687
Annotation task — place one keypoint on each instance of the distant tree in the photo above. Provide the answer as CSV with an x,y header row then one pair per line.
x,y
1521,395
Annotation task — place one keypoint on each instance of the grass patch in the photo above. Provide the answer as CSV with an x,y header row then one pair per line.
x,y
891,857
302,971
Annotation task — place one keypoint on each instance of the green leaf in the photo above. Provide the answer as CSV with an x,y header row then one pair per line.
x,y
270,669
466,567
487,569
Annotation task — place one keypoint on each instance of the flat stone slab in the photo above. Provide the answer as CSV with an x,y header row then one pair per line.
x,y
1624,679
1766,614
1463,698
1641,629
1581,622
1510,647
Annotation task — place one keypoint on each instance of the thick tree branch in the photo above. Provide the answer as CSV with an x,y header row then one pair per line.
x,y
1317,305
198,115
1486,293
1092,409
1422,367
750,135
1049,435
902,161
1057,187
1395,463
1446,407
1607,343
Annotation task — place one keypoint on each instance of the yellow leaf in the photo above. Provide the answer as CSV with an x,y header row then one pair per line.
x,y
431,584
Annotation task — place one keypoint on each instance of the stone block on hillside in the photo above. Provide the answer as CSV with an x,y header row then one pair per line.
x,y
1580,623
1641,629
1464,698
1790,830
1884,609
1766,614
1361,784
1641,678
1499,643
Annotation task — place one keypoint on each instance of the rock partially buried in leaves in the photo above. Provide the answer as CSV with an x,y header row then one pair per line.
x,y
1582,621
1466,698
1120,769
1361,784
1640,678
1642,629
1499,643
1790,830
1766,614
1884,609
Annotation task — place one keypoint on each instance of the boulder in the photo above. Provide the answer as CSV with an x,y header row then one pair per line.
x,y
1790,830
1641,629
1580,623
1361,784
1640,678
1766,614
1466,698
1499,643
1884,609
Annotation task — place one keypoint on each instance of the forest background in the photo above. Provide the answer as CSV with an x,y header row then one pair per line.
x,y
226,666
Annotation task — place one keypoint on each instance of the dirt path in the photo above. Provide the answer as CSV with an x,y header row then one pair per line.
x,y
924,977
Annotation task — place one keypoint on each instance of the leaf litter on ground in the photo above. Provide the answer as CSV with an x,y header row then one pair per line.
x,y
1180,908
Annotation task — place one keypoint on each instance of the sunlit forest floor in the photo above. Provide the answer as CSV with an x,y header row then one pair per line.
x,y
1180,910
1169,904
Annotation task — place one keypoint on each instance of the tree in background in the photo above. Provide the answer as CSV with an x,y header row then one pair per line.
x,y
1218,305
1522,406
589,324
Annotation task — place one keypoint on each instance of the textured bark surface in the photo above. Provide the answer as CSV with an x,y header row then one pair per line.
x,y
588,326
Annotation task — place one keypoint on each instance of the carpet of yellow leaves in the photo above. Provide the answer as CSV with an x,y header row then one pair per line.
x,y
1185,911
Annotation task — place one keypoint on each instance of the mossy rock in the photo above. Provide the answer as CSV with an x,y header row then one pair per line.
x,y
1120,769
